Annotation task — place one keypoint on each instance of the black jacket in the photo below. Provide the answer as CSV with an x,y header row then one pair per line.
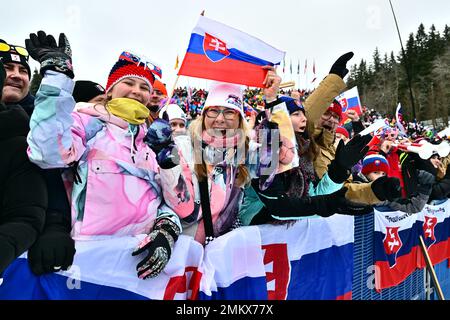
x,y
26,103
23,192
441,189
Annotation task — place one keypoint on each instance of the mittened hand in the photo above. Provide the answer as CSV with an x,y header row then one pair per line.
x,y
347,155
51,56
386,188
53,251
340,66
168,157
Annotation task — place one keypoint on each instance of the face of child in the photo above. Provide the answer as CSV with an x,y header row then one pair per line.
x,y
178,126
298,120
375,175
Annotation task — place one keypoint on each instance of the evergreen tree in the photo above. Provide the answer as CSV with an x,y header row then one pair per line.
x,y
383,83
35,82
376,60
446,34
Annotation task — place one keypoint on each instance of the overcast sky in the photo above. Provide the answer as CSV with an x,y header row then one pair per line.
x,y
319,30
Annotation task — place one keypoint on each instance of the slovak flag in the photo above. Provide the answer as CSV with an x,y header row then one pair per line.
x,y
219,52
349,100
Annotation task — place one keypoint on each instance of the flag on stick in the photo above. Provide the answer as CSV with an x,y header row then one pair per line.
x,y
219,52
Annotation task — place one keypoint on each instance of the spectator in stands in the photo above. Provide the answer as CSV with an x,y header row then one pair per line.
x,y
16,89
159,93
89,91
23,194
104,147
355,125
375,167
54,243
176,118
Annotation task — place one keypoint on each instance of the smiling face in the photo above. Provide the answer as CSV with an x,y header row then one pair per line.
x,y
17,83
132,88
221,119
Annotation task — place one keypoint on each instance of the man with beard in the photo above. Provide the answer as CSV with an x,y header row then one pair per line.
x,y
158,95
54,248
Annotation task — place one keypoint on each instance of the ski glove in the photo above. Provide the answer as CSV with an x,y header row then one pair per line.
x,y
347,155
53,251
323,205
340,66
51,56
158,245
386,188
426,181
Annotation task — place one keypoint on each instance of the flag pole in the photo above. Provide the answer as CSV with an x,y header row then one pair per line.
x,y
431,269
408,76
172,92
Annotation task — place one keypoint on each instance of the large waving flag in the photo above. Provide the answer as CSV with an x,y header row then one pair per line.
x,y
219,52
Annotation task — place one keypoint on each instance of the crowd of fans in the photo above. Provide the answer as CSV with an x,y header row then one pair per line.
x,y
123,160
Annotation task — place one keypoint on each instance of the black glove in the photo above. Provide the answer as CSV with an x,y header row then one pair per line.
x,y
168,157
340,66
426,181
51,56
347,155
386,188
159,245
7,254
329,204
53,251
323,205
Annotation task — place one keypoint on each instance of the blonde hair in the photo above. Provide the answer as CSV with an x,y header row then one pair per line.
x,y
196,129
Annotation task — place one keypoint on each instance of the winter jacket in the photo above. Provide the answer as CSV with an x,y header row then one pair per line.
x,y
23,194
116,189
58,210
441,189
27,103
225,196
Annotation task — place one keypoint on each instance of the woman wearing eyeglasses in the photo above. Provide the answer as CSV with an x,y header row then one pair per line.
x,y
210,171
116,191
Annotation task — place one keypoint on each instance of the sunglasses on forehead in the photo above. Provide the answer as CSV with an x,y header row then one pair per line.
x,y
145,63
4,47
